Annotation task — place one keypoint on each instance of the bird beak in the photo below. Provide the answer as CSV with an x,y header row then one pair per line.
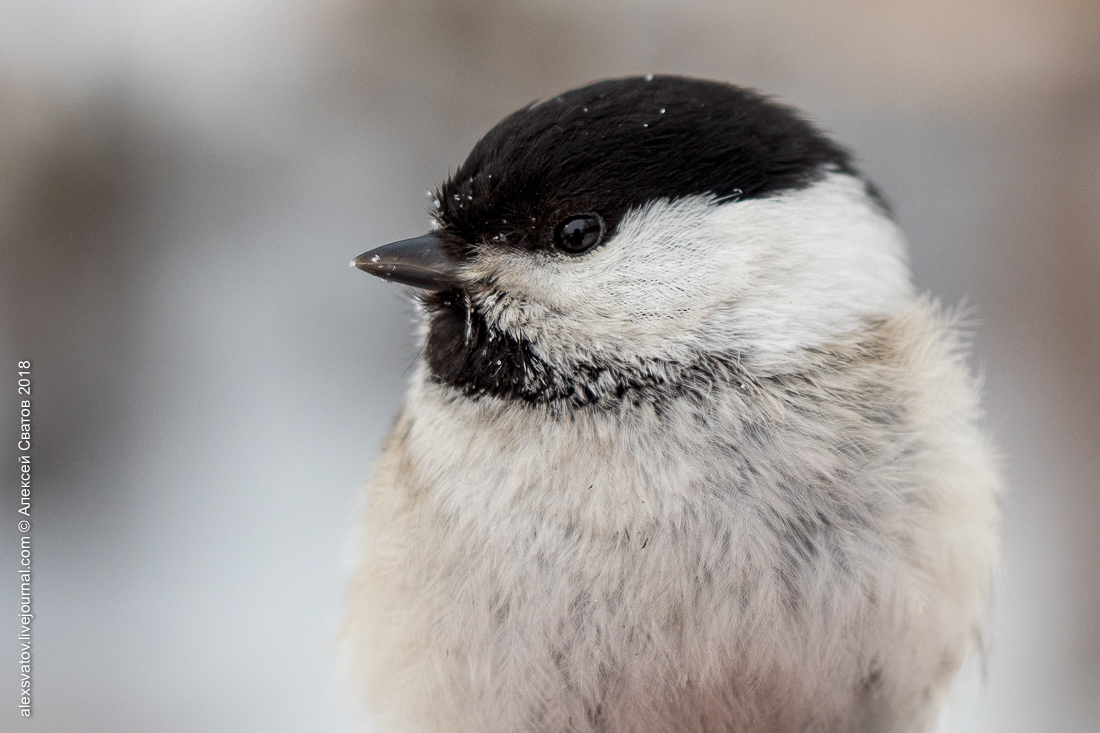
x,y
419,262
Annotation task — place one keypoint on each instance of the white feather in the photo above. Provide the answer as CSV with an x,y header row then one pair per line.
x,y
807,548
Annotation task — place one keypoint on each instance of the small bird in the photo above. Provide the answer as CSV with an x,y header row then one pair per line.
x,y
684,451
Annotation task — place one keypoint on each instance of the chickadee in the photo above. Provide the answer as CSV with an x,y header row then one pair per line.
x,y
684,451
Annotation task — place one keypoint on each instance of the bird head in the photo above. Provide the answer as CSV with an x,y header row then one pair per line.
x,y
635,237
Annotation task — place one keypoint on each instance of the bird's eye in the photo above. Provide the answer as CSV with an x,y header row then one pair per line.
x,y
579,234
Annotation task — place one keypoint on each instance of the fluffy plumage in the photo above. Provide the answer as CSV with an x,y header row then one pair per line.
x,y
721,473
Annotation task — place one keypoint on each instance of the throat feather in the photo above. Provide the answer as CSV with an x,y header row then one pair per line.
x,y
464,351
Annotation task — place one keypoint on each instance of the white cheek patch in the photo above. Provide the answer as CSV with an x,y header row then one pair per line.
x,y
817,262
764,278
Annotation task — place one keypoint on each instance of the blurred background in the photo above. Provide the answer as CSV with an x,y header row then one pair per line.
x,y
182,184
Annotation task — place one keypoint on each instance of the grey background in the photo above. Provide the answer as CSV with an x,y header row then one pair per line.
x,y
182,184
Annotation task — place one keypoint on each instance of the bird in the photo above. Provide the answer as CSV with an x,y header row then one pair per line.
x,y
684,448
